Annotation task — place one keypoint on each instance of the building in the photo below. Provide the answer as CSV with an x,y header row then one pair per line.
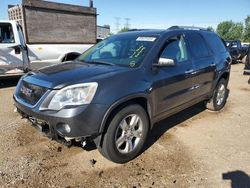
x,y
15,13
103,32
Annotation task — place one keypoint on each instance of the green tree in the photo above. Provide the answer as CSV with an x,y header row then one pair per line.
x,y
125,29
247,29
229,30
107,26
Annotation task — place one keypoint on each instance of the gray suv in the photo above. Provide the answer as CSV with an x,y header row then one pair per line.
x,y
115,92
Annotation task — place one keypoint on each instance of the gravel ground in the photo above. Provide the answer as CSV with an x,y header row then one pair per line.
x,y
194,148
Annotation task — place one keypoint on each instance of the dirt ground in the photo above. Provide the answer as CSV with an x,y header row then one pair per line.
x,y
194,148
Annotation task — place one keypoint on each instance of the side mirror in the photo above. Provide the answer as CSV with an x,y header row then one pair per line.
x,y
17,49
165,62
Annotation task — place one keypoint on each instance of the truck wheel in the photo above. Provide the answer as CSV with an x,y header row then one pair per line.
x,y
126,134
219,98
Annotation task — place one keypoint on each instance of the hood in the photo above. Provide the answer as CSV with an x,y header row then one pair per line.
x,y
58,76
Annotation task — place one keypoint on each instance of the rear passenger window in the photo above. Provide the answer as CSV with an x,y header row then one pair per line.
x,y
198,45
215,43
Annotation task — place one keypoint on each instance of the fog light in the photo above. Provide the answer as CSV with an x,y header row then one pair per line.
x,y
63,128
67,128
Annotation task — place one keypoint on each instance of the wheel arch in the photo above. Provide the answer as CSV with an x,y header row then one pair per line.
x,y
70,56
140,99
225,75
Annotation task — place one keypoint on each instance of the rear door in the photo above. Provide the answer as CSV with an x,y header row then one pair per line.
x,y
13,56
204,64
174,85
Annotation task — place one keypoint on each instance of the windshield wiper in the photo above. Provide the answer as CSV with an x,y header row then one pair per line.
x,y
99,62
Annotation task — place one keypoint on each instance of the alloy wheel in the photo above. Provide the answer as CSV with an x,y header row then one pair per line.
x,y
128,133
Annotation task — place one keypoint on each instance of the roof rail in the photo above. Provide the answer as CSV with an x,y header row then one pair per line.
x,y
138,29
188,28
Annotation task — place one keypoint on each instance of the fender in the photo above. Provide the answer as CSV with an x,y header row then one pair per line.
x,y
98,139
121,101
220,74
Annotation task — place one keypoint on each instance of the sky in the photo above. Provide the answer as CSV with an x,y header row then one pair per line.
x,y
159,14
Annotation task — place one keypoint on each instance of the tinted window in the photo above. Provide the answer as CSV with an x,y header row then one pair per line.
x,y
234,44
215,43
198,45
175,49
6,33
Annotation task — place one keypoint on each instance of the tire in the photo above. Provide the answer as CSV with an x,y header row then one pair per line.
x,y
219,98
124,140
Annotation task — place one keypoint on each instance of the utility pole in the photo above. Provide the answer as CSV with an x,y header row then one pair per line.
x,y
91,4
117,23
127,22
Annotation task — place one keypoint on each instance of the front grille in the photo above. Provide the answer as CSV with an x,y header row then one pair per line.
x,y
30,93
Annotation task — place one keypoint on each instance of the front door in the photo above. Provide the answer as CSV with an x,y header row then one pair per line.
x,y
13,55
173,86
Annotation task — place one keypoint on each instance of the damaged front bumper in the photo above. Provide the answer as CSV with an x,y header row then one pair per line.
x,y
67,125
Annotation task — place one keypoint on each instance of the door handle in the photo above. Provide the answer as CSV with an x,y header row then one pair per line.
x,y
212,64
189,71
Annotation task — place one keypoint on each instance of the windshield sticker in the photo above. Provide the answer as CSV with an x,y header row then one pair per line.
x,y
137,52
146,39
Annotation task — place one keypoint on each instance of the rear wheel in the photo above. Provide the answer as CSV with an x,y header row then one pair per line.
x,y
219,98
126,134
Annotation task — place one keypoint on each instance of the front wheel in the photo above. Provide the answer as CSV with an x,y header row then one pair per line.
x,y
219,98
126,134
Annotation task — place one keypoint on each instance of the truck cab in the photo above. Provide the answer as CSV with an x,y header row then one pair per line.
x,y
64,32
237,51
13,52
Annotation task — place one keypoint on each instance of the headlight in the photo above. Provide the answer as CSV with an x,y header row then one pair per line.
x,y
78,94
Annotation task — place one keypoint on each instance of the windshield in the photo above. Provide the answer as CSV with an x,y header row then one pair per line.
x,y
123,50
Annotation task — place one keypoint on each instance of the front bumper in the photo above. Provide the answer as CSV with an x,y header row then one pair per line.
x,y
83,121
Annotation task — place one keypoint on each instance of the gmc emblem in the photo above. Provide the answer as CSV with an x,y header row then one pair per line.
x,y
26,91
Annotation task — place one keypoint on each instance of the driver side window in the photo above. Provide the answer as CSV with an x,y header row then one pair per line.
x,y
6,33
110,50
175,49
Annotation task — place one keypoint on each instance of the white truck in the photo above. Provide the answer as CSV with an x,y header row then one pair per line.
x,y
47,33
